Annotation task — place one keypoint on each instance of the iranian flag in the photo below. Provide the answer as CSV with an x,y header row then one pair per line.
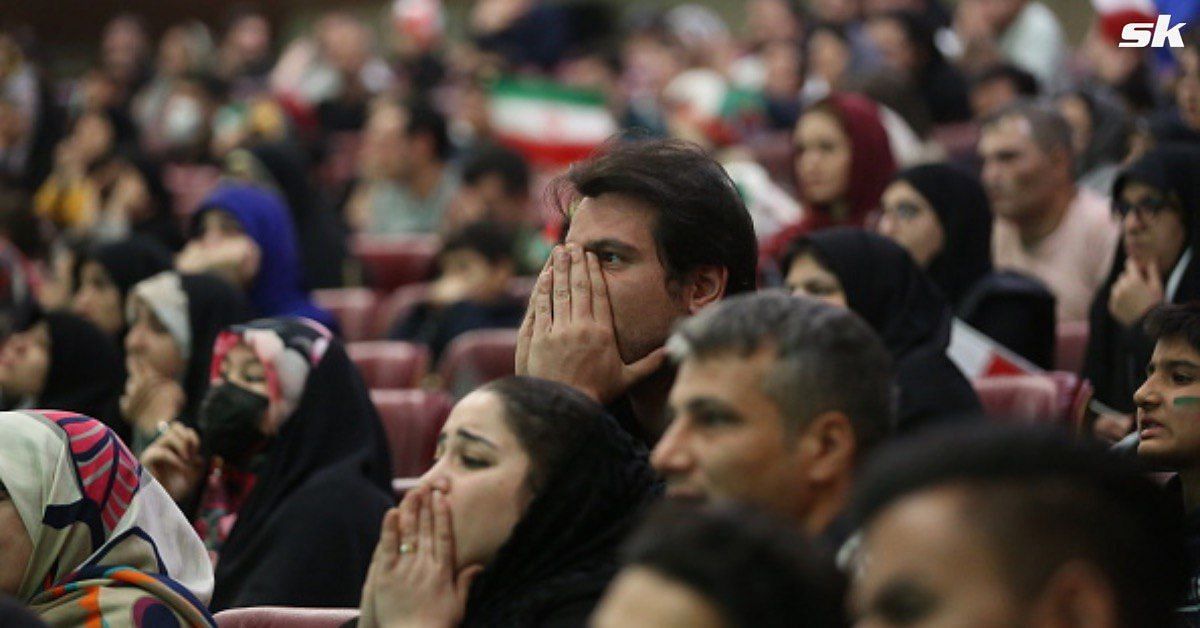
x,y
550,124
978,356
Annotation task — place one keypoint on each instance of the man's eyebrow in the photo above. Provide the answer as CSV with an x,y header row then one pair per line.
x,y
709,405
610,245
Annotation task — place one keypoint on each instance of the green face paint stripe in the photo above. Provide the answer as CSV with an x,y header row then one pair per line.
x,y
1187,401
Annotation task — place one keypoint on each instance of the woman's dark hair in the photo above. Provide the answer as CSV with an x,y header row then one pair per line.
x,y
700,217
546,417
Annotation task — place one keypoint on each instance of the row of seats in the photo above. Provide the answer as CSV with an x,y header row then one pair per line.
x,y
471,359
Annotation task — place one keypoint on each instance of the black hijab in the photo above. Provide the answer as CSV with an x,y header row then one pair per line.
x,y
305,535
883,285
86,373
212,305
563,552
961,205
1116,356
127,262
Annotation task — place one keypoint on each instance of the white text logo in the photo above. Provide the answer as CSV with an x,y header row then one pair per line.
x,y
1156,35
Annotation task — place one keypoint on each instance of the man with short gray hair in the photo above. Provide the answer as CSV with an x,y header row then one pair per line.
x,y
775,403
1046,226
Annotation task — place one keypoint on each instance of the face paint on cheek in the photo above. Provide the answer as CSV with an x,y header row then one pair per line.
x,y
1187,403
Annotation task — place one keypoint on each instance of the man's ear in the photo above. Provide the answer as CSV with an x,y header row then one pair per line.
x,y
707,287
829,447
1077,595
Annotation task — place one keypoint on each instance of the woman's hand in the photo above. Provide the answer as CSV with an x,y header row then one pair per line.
x,y
411,581
175,461
150,399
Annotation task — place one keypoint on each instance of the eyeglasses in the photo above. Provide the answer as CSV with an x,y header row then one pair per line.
x,y
1144,209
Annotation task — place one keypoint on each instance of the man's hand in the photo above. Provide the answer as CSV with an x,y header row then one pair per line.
x,y
1135,293
568,333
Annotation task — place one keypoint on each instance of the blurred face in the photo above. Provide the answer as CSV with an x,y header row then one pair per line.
x,y
98,299
174,59
921,565
1000,13
1017,174
892,43
482,280
123,46
1152,226
619,230
251,36
92,138
992,96
823,154
25,362
783,65
771,20
385,147
1187,98
828,57
909,219
15,546
1168,405
1075,110
642,598
484,471
727,439
808,278
149,341
218,226
241,366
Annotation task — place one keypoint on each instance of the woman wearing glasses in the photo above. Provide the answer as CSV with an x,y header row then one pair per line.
x,y
1157,200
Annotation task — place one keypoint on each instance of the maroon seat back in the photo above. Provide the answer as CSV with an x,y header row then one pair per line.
x,y
1020,398
478,357
352,307
390,363
284,617
412,420
1070,346
396,307
389,262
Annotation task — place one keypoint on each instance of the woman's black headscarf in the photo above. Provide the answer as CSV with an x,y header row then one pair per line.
x,y
883,285
305,535
86,372
961,205
127,262
1116,356
212,305
563,552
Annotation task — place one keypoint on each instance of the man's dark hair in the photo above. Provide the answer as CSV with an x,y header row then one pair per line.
x,y
1176,322
827,359
755,570
701,219
1047,126
509,165
1024,83
1041,501
492,240
423,119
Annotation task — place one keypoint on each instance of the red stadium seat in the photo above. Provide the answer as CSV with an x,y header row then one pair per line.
x,y
352,307
412,420
1020,398
1071,338
390,363
392,261
283,617
478,357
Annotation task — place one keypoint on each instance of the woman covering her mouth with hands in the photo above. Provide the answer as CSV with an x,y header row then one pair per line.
x,y
518,521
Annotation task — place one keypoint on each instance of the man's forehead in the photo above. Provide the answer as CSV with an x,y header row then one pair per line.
x,y
611,217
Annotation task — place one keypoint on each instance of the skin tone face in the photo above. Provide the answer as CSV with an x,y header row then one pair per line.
x,y
483,470
223,248
991,97
217,226
469,275
1156,237
822,158
619,230
148,340
15,545
896,51
242,367
807,277
1075,110
24,363
922,565
727,438
1020,178
642,598
98,299
1168,421
909,219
